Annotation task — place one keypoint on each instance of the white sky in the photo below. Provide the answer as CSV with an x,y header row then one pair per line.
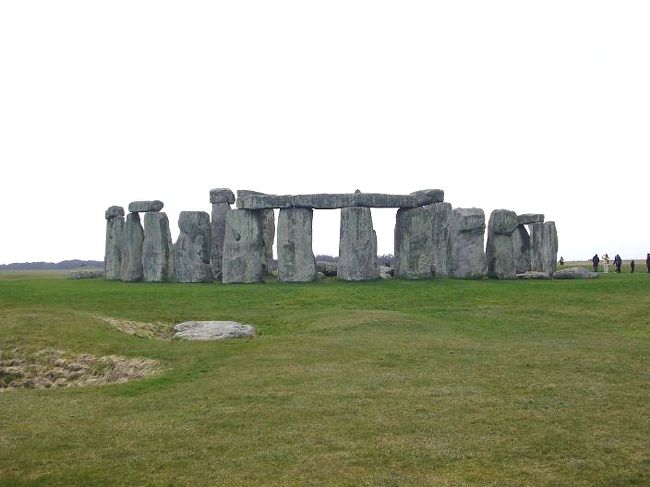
x,y
530,106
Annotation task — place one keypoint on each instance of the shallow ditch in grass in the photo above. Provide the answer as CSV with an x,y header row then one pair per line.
x,y
52,368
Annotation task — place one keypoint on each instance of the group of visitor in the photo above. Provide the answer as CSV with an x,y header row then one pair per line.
x,y
618,262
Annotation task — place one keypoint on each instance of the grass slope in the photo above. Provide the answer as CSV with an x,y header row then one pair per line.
x,y
441,382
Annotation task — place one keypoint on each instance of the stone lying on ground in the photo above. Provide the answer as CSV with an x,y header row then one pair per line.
x,y
243,247
357,246
574,273
222,195
528,218
386,272
467,237
131,265
414,244
327,268
113,211
192,249
533,275
500,251
157,249
295,256
85,274
212,330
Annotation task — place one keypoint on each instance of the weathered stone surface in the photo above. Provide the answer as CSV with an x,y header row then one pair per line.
x,y
192,248
529,218
86,274
521,248
427,197
252,200
536,246
467,238
114,211
532,275
574,273
212,330
441,220
380,200
296,261
321,276
386,272
323,201
219,214
222,195
131,269
243,248
414,244
268,235
114,248
549,247
157,249
357,246
144,206
327,268
500,255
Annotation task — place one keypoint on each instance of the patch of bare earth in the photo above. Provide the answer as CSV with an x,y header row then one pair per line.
x,y
48,368
138,328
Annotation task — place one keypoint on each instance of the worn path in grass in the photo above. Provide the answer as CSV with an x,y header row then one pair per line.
x,y
385,383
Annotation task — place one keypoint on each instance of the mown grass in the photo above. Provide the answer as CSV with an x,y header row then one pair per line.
x,y
441,382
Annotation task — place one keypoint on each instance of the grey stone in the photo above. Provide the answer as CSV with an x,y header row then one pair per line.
x,y
268,235
532,275
441,221
549,247
212,330
114,248
114,211
321,276
243,248
357,246
252,200
144,206
296,261
157,249
327,268
427,197
324,201
414,244
131,269
528,218
500,252
386,272
192,248
219,214
380,200
521,248
222,195
86,274
536,246
467,238
574,273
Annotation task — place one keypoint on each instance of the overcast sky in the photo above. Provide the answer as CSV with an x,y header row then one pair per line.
x,y
530,106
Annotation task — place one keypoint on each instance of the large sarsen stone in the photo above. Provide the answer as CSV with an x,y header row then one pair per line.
x,y
114,246
296,261
357,246
500,252
243,248
131,269
413,243
157,250
192,248
468,236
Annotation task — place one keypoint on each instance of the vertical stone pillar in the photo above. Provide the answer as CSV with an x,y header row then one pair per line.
x,y
357,246
500,251
157,249
296,262
243,247
268,235
192,249
414,243
221,199
131,269
467,238
521,249
536,246
441,219
114,243
549,249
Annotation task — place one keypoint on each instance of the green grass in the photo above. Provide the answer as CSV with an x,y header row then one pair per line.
x,y
442,382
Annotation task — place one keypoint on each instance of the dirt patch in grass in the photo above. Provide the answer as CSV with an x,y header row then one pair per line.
x,y
139,328
49,368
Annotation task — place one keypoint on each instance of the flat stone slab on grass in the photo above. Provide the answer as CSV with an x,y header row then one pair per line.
x,y
574,273
212,330
533,275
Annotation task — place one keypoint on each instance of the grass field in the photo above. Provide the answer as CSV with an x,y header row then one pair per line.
x,y
442,382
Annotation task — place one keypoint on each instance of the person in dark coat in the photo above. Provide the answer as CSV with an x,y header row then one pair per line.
x,y
647,262
617,263
631,267
595,261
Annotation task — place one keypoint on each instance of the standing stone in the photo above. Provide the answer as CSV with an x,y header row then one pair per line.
x,y
296,261
467,238
243,247
521,249
268,235
500,251
114,243
157,249
357,246
549,247
221,199
192,249
132,249
441,219
414,243
536,246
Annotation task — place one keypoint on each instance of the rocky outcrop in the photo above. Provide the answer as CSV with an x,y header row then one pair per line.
x,y
192,248
157,249
114,243
296,261
500,255
357,246
467,238
243,250
131,265
414,244
145,206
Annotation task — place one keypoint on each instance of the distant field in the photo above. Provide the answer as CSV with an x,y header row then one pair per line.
x,y
441,382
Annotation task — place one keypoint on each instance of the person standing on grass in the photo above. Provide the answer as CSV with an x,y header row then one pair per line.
x,y
617,263
595,261
631,267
